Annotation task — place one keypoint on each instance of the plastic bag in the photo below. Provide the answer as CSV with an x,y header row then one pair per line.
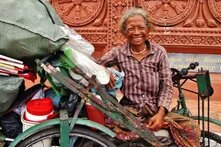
x,y
77,42
52,94
11,124
118,76
88,66
69,103
10,89
35,92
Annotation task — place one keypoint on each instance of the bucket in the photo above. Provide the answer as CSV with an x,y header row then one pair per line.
x,y
37,111
27,124
95,114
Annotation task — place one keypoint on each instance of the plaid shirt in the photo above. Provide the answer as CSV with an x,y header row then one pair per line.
x,y
147,81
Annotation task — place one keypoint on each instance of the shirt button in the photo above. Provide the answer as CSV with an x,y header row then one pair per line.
x,y
143,95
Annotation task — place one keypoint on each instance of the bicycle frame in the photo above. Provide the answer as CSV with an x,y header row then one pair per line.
x,y
202,79
109,106
66,125
181,103
205,90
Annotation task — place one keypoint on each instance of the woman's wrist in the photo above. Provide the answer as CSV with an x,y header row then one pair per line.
x,y
161,111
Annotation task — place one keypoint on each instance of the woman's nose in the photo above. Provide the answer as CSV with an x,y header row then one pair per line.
x,y
137,30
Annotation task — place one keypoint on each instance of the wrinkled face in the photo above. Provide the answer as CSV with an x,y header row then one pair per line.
x,y
136,30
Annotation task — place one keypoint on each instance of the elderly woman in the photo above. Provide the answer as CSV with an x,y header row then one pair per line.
x,y
147,82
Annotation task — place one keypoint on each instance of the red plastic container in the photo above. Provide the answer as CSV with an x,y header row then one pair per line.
x,y
94,114
38,110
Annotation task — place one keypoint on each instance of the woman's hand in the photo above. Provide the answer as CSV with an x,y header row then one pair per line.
x,y
111,83
157,121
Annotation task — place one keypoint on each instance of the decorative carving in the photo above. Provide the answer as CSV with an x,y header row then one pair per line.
x,y
102,18
78,12
201,17
185,22
116,9
194,40
176,23
94,36
167,12
215,8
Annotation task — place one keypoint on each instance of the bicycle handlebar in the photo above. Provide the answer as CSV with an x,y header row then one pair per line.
x,y
202,78
183,73
192,66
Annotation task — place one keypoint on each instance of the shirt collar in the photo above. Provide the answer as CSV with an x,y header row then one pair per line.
x,y
125,49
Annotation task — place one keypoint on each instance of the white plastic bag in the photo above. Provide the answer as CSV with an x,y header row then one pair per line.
x,y
77,42
39,95
88,66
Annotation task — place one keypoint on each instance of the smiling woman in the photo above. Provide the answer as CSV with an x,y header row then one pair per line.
x,y
147,82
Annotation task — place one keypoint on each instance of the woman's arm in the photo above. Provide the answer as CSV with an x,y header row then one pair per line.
x,y
107,57
165,94
165,91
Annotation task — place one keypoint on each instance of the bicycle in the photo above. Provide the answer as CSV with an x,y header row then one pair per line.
x,y
76,131
205,90
59,129
81,132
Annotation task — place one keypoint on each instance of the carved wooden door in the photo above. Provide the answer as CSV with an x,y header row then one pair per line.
x,y
191,26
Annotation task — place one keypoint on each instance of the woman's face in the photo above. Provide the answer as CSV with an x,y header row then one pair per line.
x,y
136,30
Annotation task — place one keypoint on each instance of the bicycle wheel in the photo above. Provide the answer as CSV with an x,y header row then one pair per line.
x,y
81,137
211,140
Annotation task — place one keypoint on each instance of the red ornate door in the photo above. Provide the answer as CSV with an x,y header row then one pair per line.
x,y
190,26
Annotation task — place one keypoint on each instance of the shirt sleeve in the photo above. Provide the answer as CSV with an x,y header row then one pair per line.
x,y
165,91
109,56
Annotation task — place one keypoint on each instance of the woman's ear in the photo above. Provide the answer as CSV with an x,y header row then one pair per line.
x,y
147,30
124,33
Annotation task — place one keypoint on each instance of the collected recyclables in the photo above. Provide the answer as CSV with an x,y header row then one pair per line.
x,y
88,66
94,114
38,110
29,29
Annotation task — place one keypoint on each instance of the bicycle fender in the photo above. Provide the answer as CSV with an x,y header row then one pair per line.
x,y
57,121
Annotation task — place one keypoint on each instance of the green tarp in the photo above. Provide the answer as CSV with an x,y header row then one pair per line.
x,y
29,29
10,87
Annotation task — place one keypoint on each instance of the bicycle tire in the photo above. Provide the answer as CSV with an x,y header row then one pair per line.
x,y
85,138
215,139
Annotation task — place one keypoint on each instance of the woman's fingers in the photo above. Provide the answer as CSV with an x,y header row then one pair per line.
x,y
111,83
149,123
165,125
154,124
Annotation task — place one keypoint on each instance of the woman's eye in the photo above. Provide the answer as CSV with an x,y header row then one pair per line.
x,y
141,28
130,29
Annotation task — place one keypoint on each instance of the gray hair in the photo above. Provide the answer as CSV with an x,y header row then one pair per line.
x,y
132,12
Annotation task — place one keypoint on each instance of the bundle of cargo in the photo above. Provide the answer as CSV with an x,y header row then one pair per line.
x,y
13,67
29,29
12,74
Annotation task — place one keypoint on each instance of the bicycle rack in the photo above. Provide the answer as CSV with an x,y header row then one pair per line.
x,y
205,91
